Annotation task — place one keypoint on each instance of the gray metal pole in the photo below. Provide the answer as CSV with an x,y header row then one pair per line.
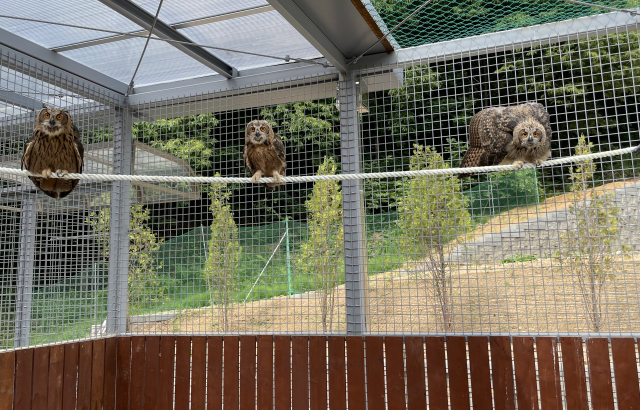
x,y
354,250
117,295
22,330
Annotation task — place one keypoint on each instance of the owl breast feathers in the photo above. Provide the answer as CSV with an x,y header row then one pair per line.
x,y
508,135
55,146
264,153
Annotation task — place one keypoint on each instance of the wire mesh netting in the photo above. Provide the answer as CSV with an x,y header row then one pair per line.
x,y
448,20
551,250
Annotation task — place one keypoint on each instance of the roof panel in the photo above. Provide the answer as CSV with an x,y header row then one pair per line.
x,y
174,11
266,33
37,89
89,13
162,62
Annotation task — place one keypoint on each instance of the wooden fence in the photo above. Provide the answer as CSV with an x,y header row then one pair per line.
x,y
316,372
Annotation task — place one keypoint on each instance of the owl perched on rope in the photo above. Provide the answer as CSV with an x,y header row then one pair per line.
x,y
508,136
54,147
264,153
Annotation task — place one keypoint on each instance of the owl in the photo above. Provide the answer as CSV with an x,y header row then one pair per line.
x,y
264,153
54,147
508,136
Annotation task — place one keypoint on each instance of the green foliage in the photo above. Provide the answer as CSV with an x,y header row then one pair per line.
x,y
519,258
322,253
144,286
433,212
224,250
587,249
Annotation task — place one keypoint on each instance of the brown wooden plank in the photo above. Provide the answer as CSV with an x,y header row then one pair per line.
x,y
318,372
84,375
151,372
625,367
436,373
355,373
458,377
265,372
337,379
123,375
97,374
502,372
375,372
600,373
40,378
416,389
24,374
525,369
56,377
167,367
183,369
7,372
282,372
214,373
198,371
575,382
231,395
300,372
247,372
70,376
393,349
480,374
110,358
136,391
549,373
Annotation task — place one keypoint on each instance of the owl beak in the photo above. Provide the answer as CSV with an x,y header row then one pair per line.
x,y
52,122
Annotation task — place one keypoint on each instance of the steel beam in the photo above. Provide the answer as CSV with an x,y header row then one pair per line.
x,y
26,256
543,34
117,293
41,63
305,26
144,19
21,101
352,208
192,23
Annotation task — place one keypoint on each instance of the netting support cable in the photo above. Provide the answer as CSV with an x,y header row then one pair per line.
x,y
167,40
338,177
600,6
416,11
146,44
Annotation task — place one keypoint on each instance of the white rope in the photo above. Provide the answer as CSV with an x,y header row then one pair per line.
x,y
312,178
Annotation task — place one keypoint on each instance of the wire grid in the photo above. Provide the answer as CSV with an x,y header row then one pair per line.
x,y
238,258
471,18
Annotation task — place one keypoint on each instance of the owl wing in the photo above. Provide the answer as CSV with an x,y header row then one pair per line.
x,y
278,146
247,160
79,150
540,114
28,149
488,140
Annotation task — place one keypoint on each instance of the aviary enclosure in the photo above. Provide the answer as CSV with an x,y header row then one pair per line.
x,y
167,278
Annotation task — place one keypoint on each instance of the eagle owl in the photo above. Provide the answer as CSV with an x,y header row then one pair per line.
x,y
508,135
54,147
264,153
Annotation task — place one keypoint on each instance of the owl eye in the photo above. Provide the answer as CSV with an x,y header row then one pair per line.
x,y
59,116
262,129
535,134
47,115
524,135
253,129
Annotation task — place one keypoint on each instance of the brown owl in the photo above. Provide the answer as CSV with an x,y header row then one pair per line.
x,y
508,135
54,147
264,153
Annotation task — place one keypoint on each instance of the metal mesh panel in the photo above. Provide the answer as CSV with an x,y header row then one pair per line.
x,y
551,250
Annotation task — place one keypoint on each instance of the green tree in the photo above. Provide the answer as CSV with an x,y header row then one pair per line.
x,y
143,283
322,253
587,249
433,212
224,251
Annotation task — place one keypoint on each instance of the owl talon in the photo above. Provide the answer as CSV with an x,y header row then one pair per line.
x,y
256,177
518,164
61,172
538,162
46,173
277,177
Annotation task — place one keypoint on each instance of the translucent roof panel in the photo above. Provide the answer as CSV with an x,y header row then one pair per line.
x,y
8,109
31,87
162,62
175,11
89,13
264,33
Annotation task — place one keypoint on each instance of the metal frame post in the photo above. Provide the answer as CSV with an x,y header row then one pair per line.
x,y
354,250
117,295
28,220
